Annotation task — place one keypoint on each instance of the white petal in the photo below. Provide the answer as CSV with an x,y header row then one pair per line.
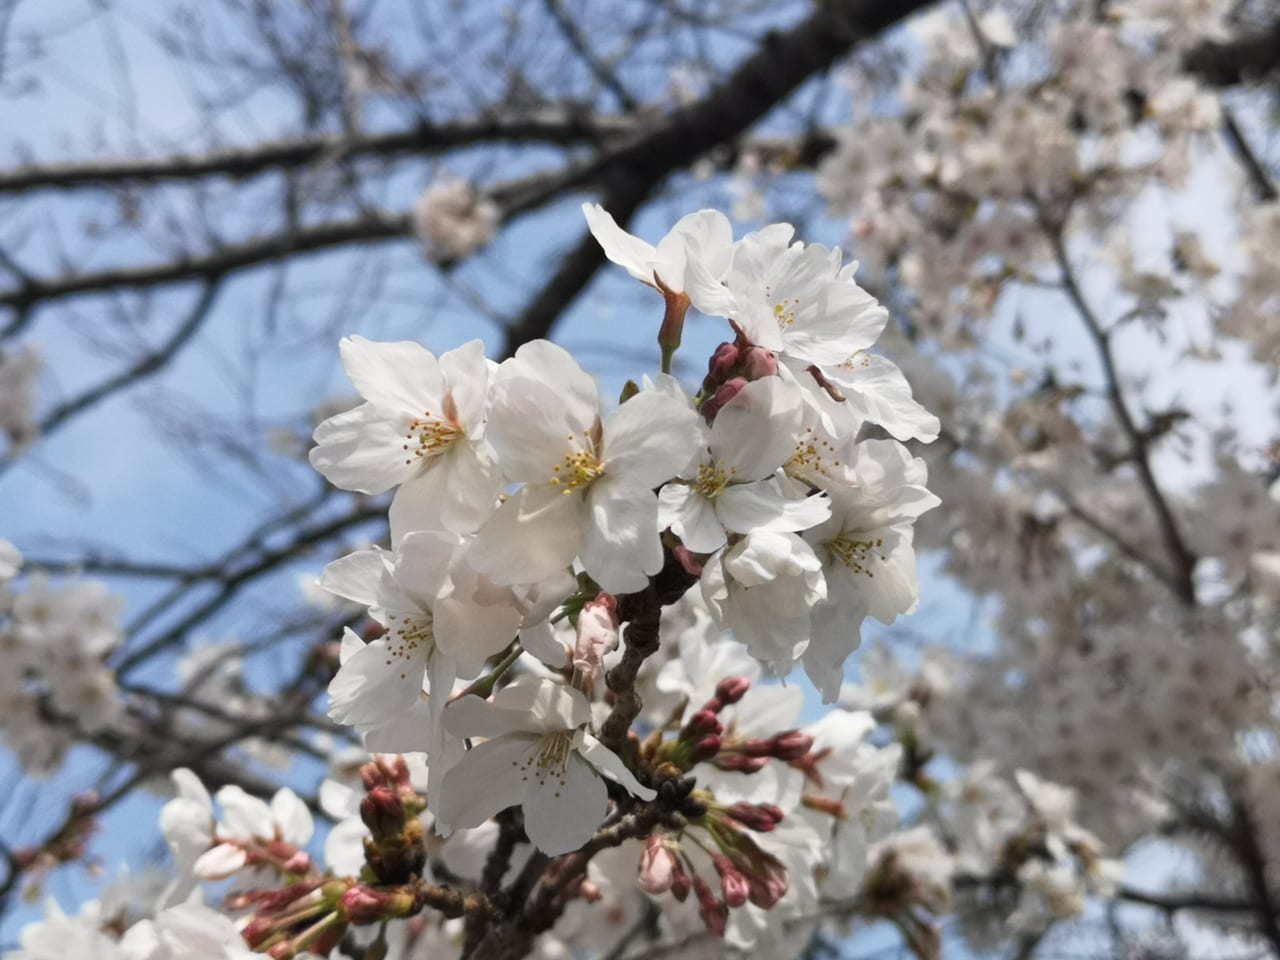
x,y
467,374
363,450
373,686
357,576
751,507
531,537
488,779
620,546
610,765
691,516
562,814
292,816
400,377
422,564
627,251
650,438
756,431
543,404
220,862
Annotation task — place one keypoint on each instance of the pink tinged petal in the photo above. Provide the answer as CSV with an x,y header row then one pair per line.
x,y
752,507
756,431
627,251
620,548
220,862
373,686
356,576
609,765
531,537
397,378
691,516
486,780
467,374
364,450
562,812
650,438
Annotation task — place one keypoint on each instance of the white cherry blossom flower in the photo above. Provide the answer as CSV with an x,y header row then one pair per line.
x,y
540,757
730,488
691,259
589,480
421,429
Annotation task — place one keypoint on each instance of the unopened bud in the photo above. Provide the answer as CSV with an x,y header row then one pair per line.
x,y
768,883
729,690
713,911
722,396
733,884
658,866
363,905
701,724
721,366
681,883
760,817
757,363
792,745
382,812
705,749
597,636
740,763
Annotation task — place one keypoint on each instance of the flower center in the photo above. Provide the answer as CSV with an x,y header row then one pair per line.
x,y
410,639
811,456
579,467
712,479
856,554
550,759
431,434
785,311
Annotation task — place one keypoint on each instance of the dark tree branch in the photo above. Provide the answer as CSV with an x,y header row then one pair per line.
x,y
563,126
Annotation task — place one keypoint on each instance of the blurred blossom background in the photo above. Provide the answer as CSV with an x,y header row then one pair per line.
x,y
1069,208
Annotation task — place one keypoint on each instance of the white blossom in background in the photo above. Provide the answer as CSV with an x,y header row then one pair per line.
x,y
453,219
19,370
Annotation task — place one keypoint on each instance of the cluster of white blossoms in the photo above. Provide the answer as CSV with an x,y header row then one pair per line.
x,y
55,638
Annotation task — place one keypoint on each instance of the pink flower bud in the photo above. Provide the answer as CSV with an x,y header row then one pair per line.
x,y
792,745
761,817
705,749
733,883
722,396
713,911
768,882
721,366
382,812
701,724
740,763
729,690
597,636
757,363
658,866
